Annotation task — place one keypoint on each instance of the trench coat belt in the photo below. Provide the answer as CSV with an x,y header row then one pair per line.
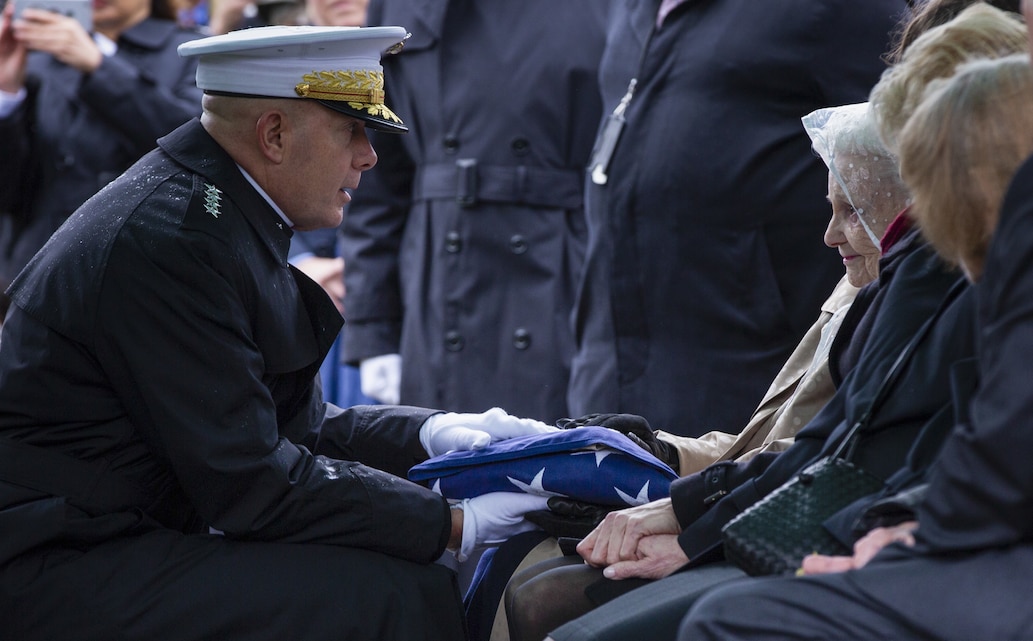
x,y
470,182
84,482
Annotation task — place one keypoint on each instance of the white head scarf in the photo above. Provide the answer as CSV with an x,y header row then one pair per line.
x,y
847,140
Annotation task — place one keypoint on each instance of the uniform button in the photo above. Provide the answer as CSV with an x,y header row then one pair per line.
x,y
517,244
67,160
451,144
520,146
453,243
454,341
521,339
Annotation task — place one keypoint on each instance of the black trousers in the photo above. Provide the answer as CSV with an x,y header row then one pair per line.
x,y
167,586
899,595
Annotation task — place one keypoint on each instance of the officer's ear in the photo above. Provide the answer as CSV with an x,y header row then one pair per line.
x,y
272,130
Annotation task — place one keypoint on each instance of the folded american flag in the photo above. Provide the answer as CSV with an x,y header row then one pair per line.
x,y
591,464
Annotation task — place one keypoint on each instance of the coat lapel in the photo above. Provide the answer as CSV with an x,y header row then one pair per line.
x,y
194,148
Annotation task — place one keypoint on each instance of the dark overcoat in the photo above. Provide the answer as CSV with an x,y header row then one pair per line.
x,y
464,244
77,132
161,340
705,264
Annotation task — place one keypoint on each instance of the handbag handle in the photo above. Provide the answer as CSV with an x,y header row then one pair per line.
x,y
850,439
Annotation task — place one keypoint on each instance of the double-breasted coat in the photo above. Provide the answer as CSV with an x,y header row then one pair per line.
x,y
463,245
705,264
76,132
156,380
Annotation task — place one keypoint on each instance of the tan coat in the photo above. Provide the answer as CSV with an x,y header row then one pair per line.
x,y
800,389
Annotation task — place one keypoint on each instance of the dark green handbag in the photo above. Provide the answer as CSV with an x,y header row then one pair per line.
x,y
773,535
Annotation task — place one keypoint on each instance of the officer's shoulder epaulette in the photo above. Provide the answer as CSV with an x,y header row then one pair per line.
x,y
208,207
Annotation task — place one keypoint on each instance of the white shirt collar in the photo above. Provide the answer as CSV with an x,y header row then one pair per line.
x,y
266,196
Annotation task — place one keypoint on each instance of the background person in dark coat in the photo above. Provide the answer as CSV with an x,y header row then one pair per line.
x,y
157,379
77,109
316,252
463,248
702,272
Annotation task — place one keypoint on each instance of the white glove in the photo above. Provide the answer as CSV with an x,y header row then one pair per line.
x,y
490,519
443,433
380,378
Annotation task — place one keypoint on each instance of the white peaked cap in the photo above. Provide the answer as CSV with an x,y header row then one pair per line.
x,y
338,66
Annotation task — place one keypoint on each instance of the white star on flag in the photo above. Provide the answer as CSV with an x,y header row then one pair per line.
x,y
641,499
536,485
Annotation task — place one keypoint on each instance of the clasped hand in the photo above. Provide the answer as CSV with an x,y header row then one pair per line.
x,y
639,542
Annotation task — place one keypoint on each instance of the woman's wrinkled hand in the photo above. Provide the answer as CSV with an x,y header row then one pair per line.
x,y
659,555
864,550
616,539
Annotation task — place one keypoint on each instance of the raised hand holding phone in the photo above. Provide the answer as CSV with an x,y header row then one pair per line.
x,y
60,28
80,10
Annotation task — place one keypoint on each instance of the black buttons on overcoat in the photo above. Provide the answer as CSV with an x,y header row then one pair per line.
x,y
517,244
454,341
453,242
521,338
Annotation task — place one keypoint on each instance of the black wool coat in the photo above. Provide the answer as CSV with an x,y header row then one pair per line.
x,y
161,339
185,349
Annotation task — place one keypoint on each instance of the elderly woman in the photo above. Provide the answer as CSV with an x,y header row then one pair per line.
x,y
864,186
866,195
961,570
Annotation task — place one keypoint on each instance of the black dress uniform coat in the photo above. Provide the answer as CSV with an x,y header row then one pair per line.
x,y
157,380
77,132
705,264
464,244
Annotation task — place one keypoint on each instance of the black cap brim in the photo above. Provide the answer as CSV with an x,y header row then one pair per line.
x,y
373,120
